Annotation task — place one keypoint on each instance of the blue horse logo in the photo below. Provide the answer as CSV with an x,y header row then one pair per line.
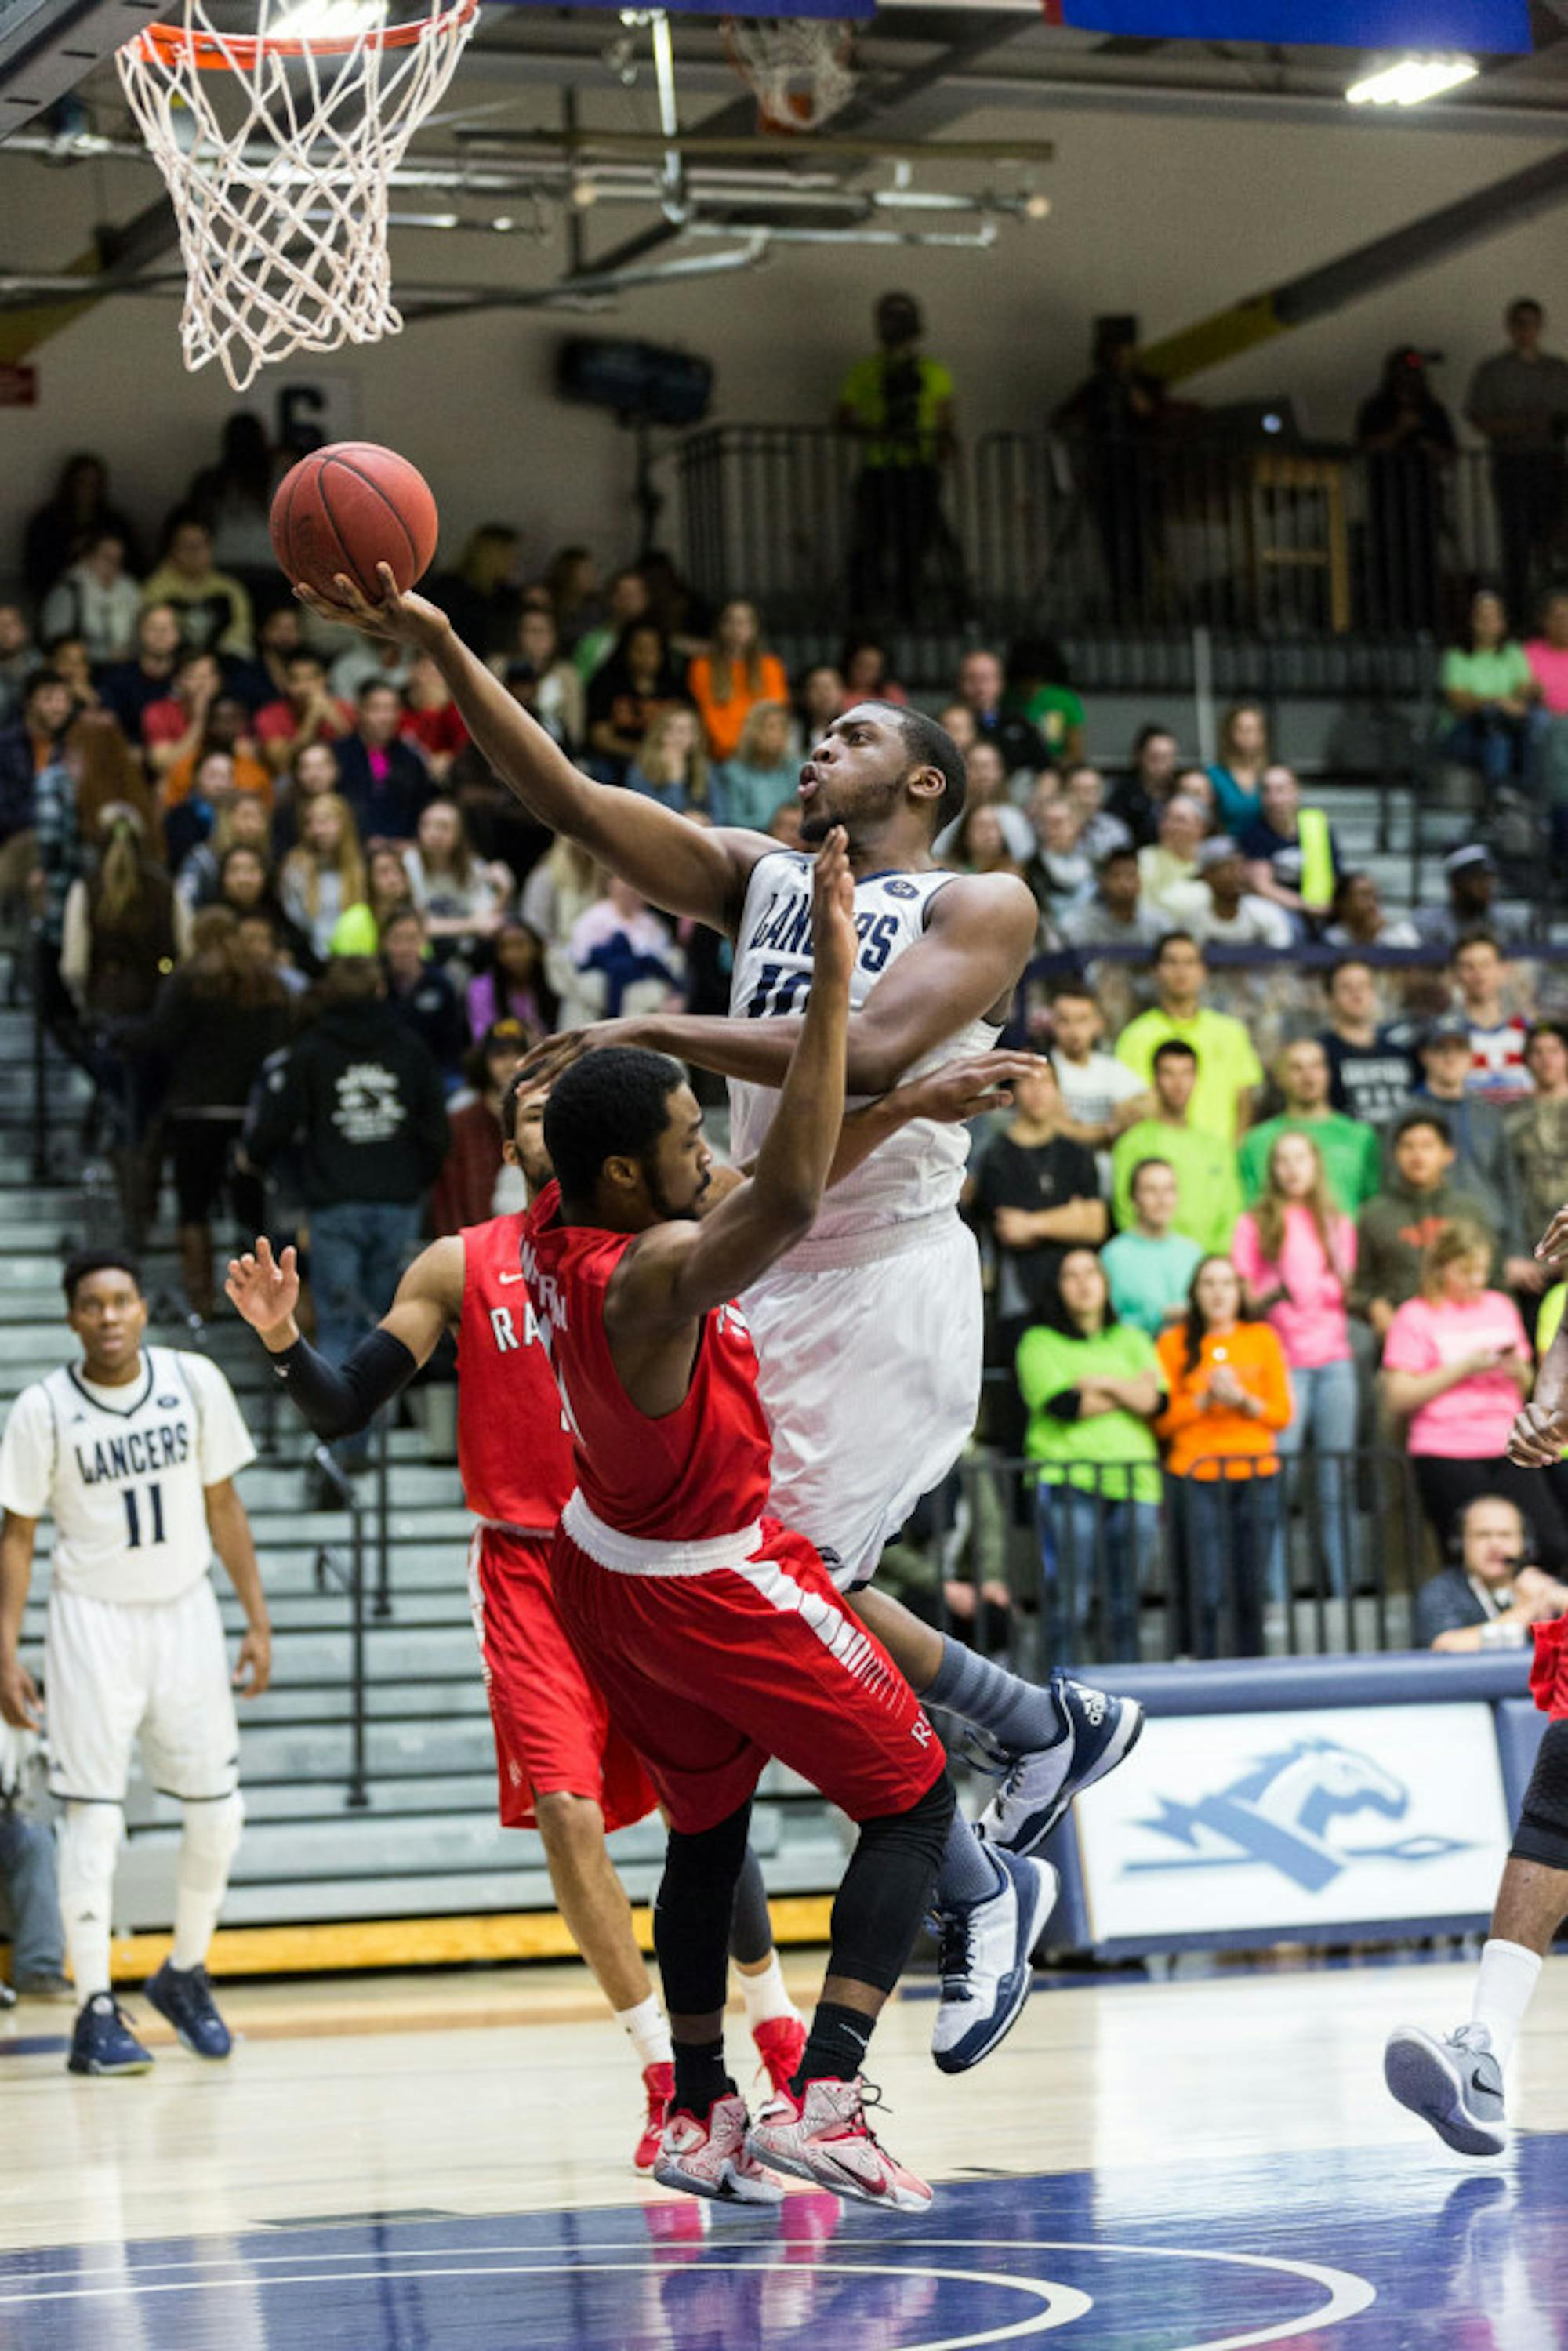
x,y
1278,1815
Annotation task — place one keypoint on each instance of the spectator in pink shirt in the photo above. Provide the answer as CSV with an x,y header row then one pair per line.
x,y
1456,1365
1548,655
1296,1253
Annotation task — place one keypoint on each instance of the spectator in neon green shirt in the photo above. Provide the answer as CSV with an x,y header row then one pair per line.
x,y
899,406
1092,1386
1208,1192
1489,689
1227,1064
1347,1147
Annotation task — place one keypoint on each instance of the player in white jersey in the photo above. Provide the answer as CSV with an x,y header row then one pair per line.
x,y
133,1452
869,1332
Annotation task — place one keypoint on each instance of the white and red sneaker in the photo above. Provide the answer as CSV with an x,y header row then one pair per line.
x,y
825,2138
781,2044
659,2082
713,2158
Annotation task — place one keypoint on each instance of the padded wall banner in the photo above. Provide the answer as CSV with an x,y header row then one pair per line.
x,y
1430,26
1223,1823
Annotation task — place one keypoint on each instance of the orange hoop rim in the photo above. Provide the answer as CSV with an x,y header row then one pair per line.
x,y
172,45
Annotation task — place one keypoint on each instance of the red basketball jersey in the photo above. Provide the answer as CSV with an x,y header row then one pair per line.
x,y
699,1472
514,1449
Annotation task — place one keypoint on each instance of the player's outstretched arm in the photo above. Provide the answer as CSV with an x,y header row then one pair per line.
x,y
675,1274
981,937
685,869
19,1700
338,1400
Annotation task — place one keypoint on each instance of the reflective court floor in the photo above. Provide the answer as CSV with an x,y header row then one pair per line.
x,y
441,2164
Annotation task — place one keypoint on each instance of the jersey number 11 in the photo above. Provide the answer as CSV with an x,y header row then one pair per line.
x,y
133,1515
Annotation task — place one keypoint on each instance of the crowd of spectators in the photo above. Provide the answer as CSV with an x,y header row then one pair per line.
x,y
1268,1205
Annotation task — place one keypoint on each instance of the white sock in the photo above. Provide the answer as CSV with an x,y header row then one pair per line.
x,y
650,2033
89,1838
1503,1990
764,1995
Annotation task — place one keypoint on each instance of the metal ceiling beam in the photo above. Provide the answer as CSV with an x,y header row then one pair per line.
x,y
1453,228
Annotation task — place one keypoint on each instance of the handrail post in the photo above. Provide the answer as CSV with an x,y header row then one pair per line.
x,y
383,1519
358,1796
40,1082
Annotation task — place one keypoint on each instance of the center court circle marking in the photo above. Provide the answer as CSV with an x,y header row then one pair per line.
x,y
1063,2304
1348,2295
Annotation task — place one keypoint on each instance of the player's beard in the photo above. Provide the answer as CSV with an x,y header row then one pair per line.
x,y
668,1213
872,804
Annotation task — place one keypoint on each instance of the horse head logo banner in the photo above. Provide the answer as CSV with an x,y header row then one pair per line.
x,y
1292,1818
1300,1810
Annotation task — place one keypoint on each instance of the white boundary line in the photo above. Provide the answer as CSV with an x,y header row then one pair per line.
x,y
1063,2304
1348,2295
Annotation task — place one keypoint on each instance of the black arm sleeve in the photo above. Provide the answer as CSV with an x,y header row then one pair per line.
x,y
340,1402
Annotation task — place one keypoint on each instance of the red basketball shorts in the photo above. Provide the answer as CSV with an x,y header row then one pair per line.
x,y
553,1731
711,1669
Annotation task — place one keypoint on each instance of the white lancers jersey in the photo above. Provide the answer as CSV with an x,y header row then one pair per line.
x,y
122,1470
920,1172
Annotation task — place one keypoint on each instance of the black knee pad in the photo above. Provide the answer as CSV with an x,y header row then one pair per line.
x,y
887,1887
1542,1832
692,1915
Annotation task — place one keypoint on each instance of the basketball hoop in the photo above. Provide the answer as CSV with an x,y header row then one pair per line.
x,y
276,147
798,67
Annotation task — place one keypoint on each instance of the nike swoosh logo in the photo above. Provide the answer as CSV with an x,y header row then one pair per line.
x,y
511,1277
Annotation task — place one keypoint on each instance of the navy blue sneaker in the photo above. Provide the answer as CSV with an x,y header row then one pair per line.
x,y
985,1961
183,1998
1098,1731
103,2042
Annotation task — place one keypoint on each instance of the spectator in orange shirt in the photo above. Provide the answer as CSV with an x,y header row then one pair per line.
x,y
740,671
306,712
226,731
1229,1397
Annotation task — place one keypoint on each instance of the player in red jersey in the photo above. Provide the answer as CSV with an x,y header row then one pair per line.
x,y
563,1768
715,1634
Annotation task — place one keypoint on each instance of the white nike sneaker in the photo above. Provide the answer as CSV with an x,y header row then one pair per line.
x,y
712,2158
825,2138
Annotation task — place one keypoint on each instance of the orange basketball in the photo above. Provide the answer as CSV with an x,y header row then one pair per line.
x,y
347,508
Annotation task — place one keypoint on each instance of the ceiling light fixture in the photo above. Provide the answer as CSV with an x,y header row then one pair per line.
x,y
1409,81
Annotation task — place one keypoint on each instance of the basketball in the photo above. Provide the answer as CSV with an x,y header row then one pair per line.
x,y
347,508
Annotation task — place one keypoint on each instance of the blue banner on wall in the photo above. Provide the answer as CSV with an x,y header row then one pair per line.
x,y
1429,26
862,10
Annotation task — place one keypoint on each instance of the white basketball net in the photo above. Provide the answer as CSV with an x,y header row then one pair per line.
x,y
798,67
277,151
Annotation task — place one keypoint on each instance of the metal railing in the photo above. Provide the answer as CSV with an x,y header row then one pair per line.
x,y
350,1579
1112,1563
1170,531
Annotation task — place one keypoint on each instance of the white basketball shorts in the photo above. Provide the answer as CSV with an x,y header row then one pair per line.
x,y
870,1375
158,1672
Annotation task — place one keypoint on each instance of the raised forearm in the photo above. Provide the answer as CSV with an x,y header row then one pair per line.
x,y
529,762
795,1162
